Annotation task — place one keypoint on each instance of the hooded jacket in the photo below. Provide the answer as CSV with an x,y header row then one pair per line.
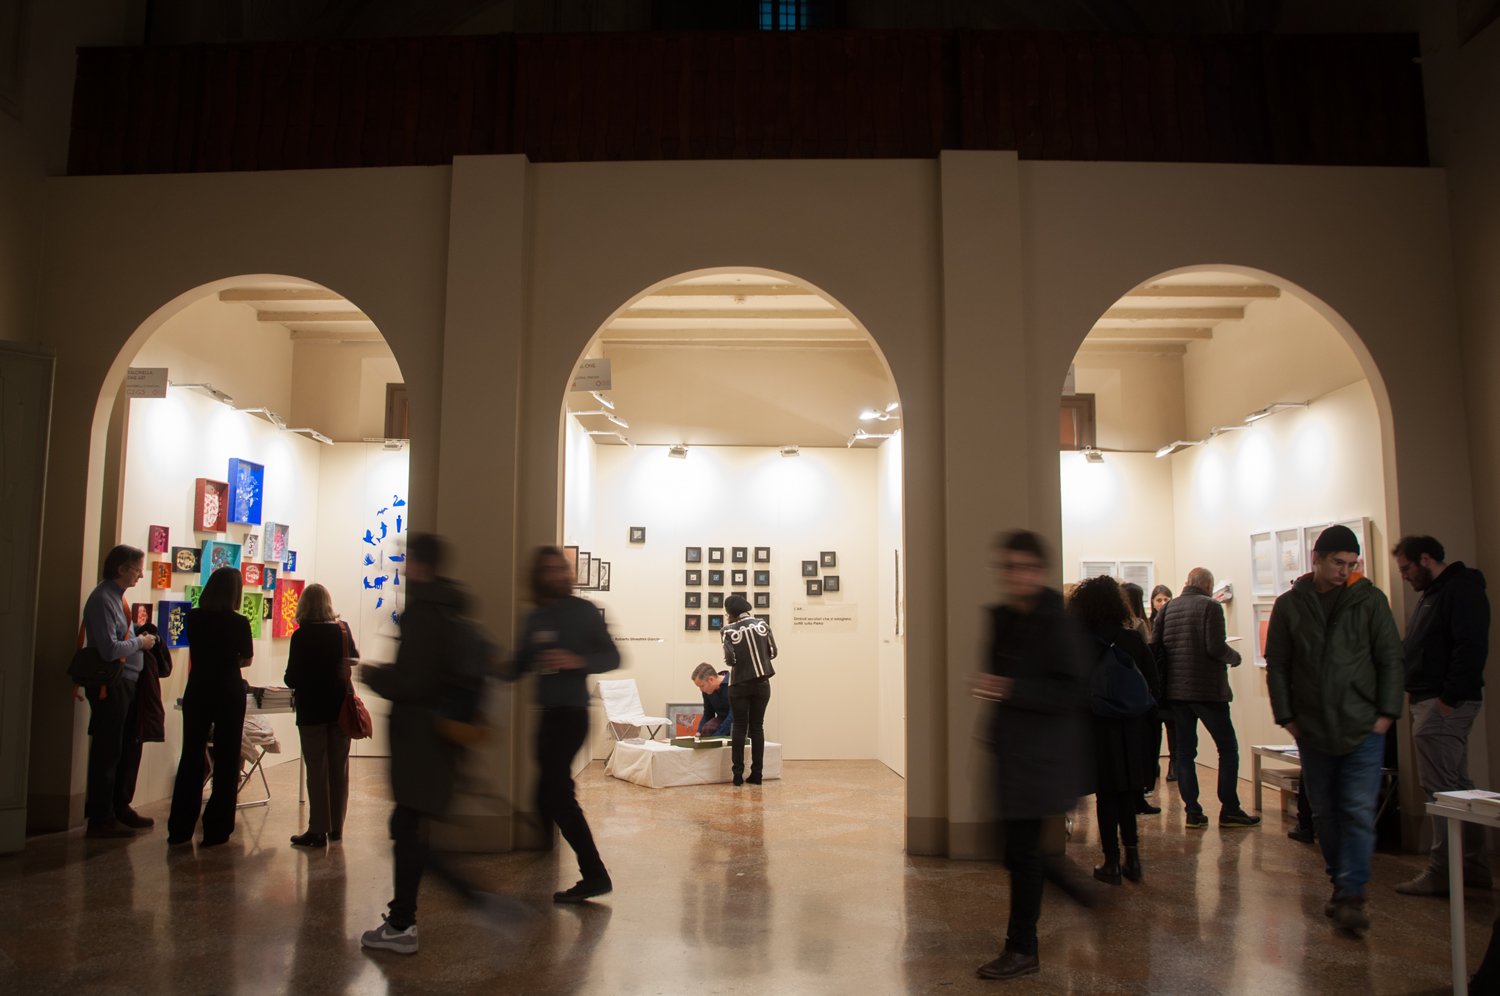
x,y
1191,651
1448,638
1333,676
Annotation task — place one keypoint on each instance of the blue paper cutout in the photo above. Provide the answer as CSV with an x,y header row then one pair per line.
x,y
397,558
369,560
370,537
397,501
380,601
398,523
383,530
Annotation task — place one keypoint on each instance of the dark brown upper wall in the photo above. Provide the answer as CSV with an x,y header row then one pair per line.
x,y
1310,100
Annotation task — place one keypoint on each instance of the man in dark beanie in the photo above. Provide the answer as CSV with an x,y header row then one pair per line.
x,y
1334,670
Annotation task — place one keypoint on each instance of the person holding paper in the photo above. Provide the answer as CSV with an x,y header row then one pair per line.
x,y
718,713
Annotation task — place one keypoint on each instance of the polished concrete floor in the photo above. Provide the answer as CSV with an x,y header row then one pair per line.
x,y
799,886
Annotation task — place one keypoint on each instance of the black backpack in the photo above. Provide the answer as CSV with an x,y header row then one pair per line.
x,y
1117,689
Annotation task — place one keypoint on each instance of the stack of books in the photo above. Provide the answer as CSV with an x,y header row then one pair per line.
x,y
698,743
1474,800
272,697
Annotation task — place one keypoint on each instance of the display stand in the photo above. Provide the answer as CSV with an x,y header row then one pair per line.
x,y
1456,818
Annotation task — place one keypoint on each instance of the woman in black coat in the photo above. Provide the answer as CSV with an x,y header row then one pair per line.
x,y
317,669
219,646
1122,763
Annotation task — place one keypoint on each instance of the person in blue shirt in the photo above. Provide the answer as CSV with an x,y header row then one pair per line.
x,y
718,714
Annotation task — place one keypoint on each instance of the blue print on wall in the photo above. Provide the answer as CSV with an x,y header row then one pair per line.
x,y
382,581
247,485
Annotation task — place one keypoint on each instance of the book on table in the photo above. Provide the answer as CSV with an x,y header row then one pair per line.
x,y
699,743
1474,800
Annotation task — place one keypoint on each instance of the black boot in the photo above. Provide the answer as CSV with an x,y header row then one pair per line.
x,y
1109,872
1132,868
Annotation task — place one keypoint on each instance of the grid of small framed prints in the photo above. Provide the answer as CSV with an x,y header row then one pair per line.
x,y
814,575
713,580
590,572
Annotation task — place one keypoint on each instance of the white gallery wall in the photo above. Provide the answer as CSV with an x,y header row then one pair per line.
x,y
890,547
1121,509
831,680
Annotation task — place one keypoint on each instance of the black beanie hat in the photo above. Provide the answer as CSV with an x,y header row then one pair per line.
x,y
737,605
1336,539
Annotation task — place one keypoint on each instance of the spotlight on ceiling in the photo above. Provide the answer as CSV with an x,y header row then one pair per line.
x,y
1271,409
314,434
211,391
678,452
266,414
790,451
880,414
617,420
860,435
1219,430
1092,454
603,400
1177,445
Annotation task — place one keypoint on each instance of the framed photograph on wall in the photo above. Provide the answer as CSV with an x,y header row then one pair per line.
x,y
740,555
581,578
716,555
1262,564
1262,629
684,717
762,579
715,622
1310,536
692,623
604,575
814,586
809,568
637,534
693,579
156,539
692,600
716,579
828,558
830,582
595,565
762,599
739,577
716,600
1361,530
694,554
762,555
1289,565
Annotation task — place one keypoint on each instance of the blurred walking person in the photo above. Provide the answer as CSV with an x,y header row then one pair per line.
x,y
1036,676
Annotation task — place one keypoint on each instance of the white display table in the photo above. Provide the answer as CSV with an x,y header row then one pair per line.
x,y
1456,818
660,765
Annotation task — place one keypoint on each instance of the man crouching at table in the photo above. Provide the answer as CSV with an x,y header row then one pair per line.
x,y
718,718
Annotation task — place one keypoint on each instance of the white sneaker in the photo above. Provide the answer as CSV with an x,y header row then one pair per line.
x,y
387,938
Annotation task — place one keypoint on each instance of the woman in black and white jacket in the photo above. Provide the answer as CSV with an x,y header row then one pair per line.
x,y
749,649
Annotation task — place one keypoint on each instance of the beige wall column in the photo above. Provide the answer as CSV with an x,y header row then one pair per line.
x,y
484,329
987,402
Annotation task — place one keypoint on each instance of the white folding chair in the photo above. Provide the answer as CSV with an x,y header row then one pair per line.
x,y
622,708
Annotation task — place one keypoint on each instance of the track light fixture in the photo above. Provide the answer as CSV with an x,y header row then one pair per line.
x,y
315,434
791,451
211,391
617,420
266,414
1271,409
860,435
885,414
1176,446
603,401
1092,454
678,452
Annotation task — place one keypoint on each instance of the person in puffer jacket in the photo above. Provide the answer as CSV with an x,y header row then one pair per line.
x,y
1334,672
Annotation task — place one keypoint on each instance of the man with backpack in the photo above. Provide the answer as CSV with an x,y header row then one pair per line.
x,y
1190,648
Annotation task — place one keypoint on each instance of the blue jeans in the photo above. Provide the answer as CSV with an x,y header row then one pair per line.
x,y
1343,790
1215,716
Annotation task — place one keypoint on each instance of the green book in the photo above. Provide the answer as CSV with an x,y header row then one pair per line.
x,y
698,743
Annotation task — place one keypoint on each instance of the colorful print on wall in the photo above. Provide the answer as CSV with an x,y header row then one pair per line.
x,y
266,604
268,578
141,614
289,563
250,547
185,559
192,593
171,623
251,603
276,537
217,554
210,506
161,575
253,574
247,484
284,613
156,539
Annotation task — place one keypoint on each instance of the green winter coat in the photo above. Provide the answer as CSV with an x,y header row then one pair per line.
x,y
1334,677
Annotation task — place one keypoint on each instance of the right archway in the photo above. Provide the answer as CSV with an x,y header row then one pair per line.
x,y
1221,417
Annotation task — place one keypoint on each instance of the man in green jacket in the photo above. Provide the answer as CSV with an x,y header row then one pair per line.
x,y
1335,672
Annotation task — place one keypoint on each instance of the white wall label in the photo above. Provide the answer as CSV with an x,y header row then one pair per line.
x,y
830,617
146,382
592,375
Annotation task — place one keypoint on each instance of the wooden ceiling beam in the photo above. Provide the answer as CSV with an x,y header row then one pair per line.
x,y
1168,314
1149,334
761,314
1154,348
733,290
267,295
1261,291
334,335
311,317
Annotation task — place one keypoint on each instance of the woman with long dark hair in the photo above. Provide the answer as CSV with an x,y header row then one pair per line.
x,y
1120,756
219,647
1160,596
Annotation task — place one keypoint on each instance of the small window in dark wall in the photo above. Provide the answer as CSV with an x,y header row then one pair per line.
x,y
1075,422
397,425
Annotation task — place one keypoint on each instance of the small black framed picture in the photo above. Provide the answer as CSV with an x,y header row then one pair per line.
x,y
739,577
715,621
637,534
740,555
762,555
814,586
828,558
830,582
693,579
692,623
762,579
809,568
762,599
603,575
716,600
692,600
716,579
743,594
716,555
695,554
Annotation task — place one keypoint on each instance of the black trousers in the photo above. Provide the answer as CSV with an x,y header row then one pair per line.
x,y
1116,812
562,731
748,701
413,857
1023,859
114,750
222,717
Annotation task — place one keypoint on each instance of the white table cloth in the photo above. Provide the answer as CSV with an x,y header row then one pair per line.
x,y
660,765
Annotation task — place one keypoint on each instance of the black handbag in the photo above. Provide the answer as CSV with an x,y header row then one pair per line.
x,y
88,668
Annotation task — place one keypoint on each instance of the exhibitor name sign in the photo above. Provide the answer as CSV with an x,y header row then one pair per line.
x,y
146,382
825,618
